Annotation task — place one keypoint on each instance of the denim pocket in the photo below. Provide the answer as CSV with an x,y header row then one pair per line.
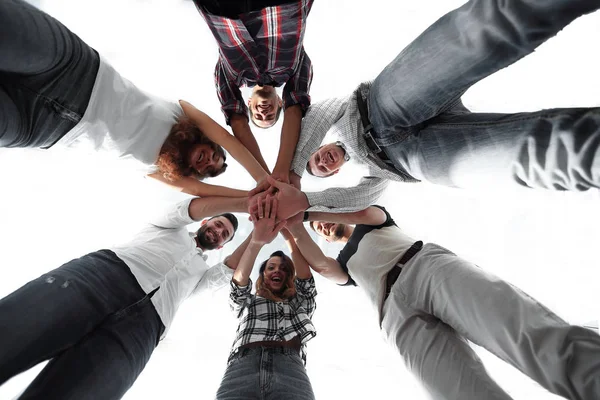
x,y
134,308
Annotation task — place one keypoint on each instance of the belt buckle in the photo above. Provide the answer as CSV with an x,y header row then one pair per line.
x,y
371,143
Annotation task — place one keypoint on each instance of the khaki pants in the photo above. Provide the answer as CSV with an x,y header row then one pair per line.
x,y
440,301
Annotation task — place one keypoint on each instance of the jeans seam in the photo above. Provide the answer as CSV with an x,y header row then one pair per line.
x,y
60,109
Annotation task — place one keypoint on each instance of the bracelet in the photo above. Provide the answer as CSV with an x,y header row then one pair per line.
x,y
305,216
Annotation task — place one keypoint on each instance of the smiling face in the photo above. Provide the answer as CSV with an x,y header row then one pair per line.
x,y
264,106
214,233
206,160
329,230
326,161
275,275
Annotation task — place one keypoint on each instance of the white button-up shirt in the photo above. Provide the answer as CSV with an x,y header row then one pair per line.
x,y
164,255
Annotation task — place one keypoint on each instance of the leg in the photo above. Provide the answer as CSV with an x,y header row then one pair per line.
x,y
289,380
553,149
460,49
54,312
11,123
40,59
106,363
438,356
563,359
241,380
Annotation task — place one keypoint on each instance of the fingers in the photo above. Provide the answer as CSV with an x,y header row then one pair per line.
x,y
260,211
268,201
261,187
280,225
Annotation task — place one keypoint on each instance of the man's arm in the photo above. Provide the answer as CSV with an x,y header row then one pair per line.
x,y
334,200
241,130
292,121
326,266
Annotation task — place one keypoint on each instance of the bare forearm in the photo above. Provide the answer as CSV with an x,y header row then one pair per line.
x,y
292,121
368,216
244,268
300,263
233,260
241,130
309,249
197,188
210,206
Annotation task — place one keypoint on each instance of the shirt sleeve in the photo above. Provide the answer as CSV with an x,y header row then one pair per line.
x,y
297,87
306,290
174,217
343,200
239,297
215,278
229,94
318,120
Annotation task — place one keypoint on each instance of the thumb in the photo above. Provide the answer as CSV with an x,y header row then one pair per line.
x,y
274,182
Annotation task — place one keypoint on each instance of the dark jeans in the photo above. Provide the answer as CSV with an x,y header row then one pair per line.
x,y
269,373
92,320
46,77
416,111
233,8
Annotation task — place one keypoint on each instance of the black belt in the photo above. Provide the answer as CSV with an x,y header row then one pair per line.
x,y
368,129
393,275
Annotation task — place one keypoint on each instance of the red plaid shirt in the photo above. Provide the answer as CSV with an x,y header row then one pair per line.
x,y
262,47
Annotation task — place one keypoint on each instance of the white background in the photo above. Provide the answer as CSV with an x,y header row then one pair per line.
x,y
55,206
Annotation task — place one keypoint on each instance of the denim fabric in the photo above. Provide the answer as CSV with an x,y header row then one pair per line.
x,y
47,74
416,112
267,374
91,318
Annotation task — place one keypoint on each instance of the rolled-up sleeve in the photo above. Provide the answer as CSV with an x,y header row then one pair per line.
x,y
239,297
297,87
230,96
307,291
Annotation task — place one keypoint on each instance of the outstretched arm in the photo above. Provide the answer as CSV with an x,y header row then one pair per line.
x,y
241,130
290,132
300,263
265,230
368,216
198,188
326,266
220,136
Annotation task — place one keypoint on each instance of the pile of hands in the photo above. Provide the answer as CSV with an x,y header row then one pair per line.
x,y
275,206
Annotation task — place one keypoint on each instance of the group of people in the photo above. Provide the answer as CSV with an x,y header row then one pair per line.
x,y
98,318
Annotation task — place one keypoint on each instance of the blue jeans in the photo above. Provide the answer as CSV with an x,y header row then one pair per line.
x,y
90,318
426,132
47,74
266,373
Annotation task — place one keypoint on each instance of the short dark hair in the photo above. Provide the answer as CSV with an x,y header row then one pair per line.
x,y
274,122
232,218
310,223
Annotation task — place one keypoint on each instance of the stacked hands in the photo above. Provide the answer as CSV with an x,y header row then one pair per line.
x,y
290,201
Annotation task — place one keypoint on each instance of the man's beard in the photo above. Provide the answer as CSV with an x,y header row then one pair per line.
x,y
203,240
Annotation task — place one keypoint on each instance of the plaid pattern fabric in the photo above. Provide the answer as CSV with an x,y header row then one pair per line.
x,y
262,48
341,117
265,320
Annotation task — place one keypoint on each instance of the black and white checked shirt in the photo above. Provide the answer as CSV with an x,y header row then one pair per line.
x,y
266,320
340,116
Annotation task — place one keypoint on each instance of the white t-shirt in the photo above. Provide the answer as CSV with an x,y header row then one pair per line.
x,y
122,120
371,252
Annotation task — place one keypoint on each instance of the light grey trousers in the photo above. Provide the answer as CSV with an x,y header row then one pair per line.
x,y
440,301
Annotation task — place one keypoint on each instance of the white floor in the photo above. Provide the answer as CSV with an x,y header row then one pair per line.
x,y
57,206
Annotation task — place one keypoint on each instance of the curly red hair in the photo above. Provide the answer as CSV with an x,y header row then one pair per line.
x,y
172,160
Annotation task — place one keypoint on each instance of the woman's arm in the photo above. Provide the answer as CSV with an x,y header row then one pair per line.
x,y
265,230
198,188
302,267
220,136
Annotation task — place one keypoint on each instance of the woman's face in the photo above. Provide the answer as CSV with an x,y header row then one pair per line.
x,y
275,275
205,160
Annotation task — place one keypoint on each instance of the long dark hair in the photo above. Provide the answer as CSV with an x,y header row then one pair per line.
x,y
172,160
289,289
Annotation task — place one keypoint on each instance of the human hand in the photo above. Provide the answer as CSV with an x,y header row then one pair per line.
x,y
290,200
265,228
